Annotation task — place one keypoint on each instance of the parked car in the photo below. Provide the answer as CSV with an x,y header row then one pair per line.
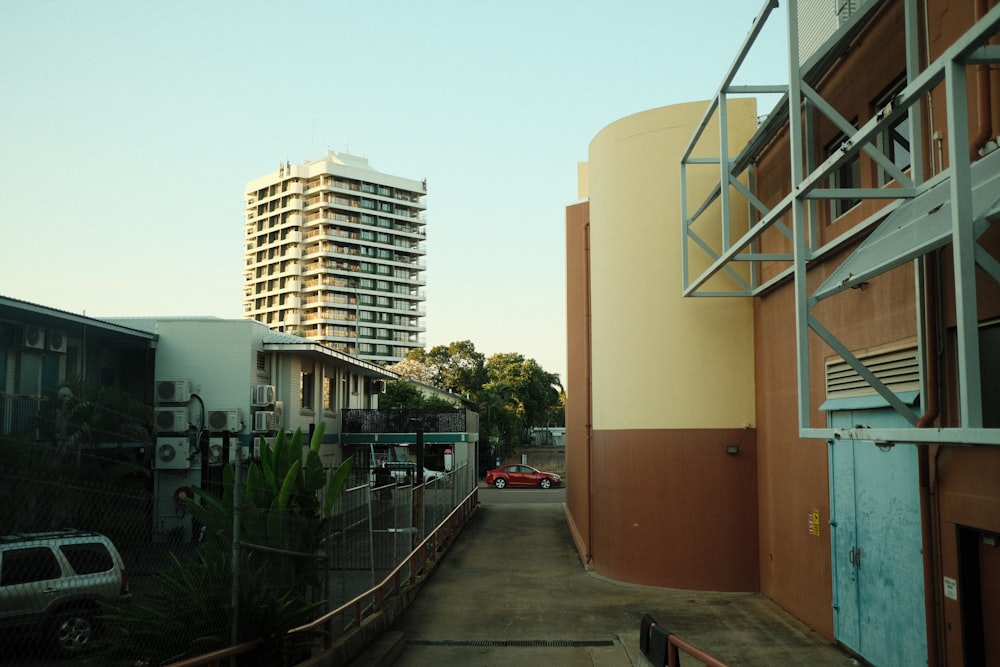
x,y
433,474
53,584
521,475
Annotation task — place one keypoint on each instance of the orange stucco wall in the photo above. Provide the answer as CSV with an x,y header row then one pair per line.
x,y
655,488
793,474
577,386
672,508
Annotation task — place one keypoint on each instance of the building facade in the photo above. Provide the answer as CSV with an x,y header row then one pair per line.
x,y
222,384
335,253
860,238
44,349
666,504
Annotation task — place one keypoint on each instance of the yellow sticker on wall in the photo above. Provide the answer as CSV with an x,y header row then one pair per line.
x,y
814,523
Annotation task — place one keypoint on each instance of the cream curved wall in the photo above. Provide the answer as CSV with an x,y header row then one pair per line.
x,y
661,360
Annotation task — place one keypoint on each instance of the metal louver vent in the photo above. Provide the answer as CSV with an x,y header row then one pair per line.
x,y
899,370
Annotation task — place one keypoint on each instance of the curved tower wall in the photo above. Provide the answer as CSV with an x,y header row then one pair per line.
x,y
671,378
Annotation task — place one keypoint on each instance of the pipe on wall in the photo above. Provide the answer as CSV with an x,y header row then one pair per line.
x,y
930,529
983,98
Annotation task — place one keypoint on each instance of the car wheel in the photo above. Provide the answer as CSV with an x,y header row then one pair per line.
x,y
545,483
72,630
500,482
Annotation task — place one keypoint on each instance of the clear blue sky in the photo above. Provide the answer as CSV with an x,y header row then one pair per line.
x,y
128,131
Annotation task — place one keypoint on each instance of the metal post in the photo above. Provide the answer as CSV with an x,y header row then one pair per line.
x,y
963,244
801,254
234,599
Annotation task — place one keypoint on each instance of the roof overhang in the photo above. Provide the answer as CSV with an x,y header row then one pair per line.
x,y
35,314
314,349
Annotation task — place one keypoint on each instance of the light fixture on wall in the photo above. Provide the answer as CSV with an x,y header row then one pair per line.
x,y
884,446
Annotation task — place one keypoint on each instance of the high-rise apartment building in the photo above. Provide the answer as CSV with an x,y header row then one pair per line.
x,y
335,252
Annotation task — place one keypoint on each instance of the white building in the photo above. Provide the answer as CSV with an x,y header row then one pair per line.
x,y
222,383
335,252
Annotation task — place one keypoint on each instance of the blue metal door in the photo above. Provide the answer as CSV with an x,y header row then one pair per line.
x,y
878,576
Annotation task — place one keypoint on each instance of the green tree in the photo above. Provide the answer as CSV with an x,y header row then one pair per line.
x,y
404,394
456,367
285,501
499,416
532,395
514,394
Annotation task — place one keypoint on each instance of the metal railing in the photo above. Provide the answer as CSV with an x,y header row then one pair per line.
x,y
663,648
403,421
349,615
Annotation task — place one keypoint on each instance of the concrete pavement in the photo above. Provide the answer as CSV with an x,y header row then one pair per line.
x,y
512,590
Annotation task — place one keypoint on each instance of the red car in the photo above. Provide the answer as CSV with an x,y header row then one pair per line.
x,y
521,475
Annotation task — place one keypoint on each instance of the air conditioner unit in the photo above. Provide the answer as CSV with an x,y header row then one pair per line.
x,y
378,386
264,421
170,420
34,337
56,341
173,391
246,453
263,395
224,419
172,454
216,448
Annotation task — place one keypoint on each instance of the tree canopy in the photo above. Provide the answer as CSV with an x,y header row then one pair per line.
x,y
456,367
514,393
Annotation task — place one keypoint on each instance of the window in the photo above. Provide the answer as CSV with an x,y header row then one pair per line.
x,y
330,393
89,558
22,566
895,140
845,177
306,393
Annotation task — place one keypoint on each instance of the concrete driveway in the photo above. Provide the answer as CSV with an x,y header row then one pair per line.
x,y
512,590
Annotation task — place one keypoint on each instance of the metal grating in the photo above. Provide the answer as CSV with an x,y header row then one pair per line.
x,y
899,370
515,643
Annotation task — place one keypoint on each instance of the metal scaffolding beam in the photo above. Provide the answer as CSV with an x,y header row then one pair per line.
x,y
920,215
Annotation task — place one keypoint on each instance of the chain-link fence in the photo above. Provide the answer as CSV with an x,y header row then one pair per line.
x,y
89,525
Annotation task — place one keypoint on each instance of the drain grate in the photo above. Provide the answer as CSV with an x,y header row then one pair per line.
x,y
516,643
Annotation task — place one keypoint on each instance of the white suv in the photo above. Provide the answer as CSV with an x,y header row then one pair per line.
x,y
53,583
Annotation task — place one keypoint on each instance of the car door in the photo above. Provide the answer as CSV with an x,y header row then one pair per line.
x,y
517,476
29,579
